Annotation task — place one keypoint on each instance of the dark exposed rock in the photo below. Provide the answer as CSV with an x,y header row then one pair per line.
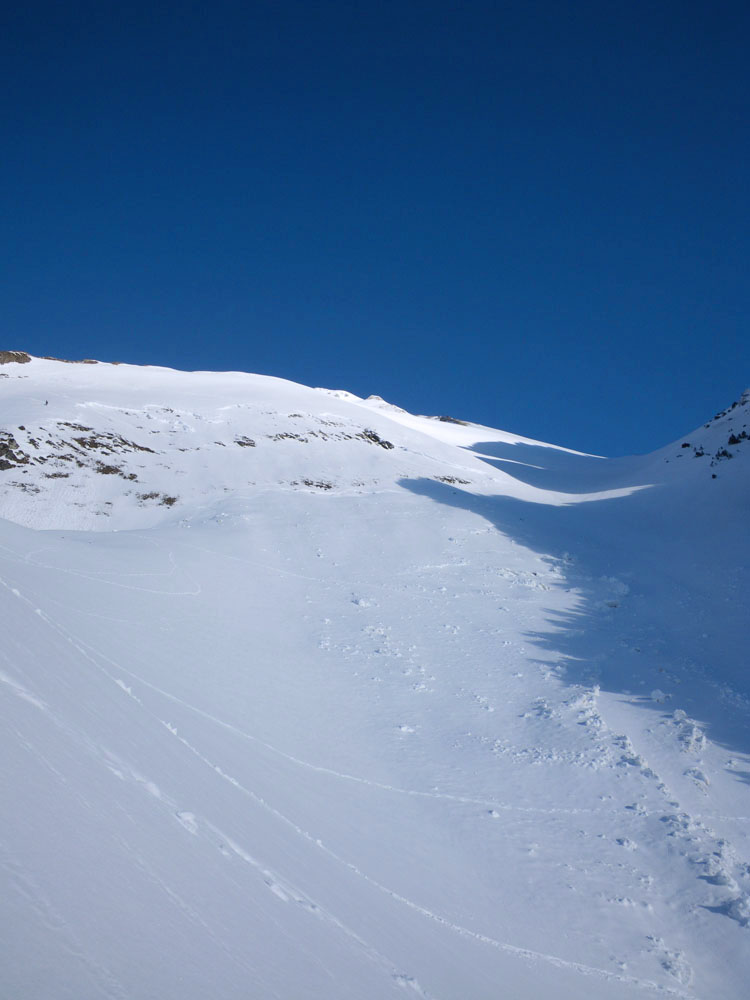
x,y
287,436
19,357
102,441
11,454
113,470
72,361
374,438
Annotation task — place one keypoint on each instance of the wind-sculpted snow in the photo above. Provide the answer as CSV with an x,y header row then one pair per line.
x,y
463,717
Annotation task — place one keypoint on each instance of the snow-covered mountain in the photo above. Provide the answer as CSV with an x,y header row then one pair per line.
x,y
306,696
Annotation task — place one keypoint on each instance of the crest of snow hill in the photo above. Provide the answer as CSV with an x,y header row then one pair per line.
x,y
122,440
87,444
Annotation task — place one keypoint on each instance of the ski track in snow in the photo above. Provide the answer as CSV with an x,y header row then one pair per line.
x,y
100,578
18,689
26,886
518,952
276,883
281,887
299,762
123,771
489,803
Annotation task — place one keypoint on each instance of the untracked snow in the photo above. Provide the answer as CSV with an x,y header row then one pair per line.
x,y
306,696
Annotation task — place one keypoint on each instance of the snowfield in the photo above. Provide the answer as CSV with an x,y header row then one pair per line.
x,y
304,696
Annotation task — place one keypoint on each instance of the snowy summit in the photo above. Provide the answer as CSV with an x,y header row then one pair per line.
x,y
305,696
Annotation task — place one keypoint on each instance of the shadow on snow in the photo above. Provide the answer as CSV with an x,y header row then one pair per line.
x,y
640,629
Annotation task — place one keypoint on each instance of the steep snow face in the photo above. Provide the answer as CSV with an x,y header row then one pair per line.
x,y
467,716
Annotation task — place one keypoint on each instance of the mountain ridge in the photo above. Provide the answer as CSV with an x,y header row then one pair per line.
x,y
70,442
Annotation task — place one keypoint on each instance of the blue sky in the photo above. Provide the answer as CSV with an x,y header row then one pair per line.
x,y
530,214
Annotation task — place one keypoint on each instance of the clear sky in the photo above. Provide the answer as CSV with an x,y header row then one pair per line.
x,y
530,214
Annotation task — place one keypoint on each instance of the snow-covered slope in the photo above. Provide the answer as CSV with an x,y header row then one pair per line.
x,y
305,696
